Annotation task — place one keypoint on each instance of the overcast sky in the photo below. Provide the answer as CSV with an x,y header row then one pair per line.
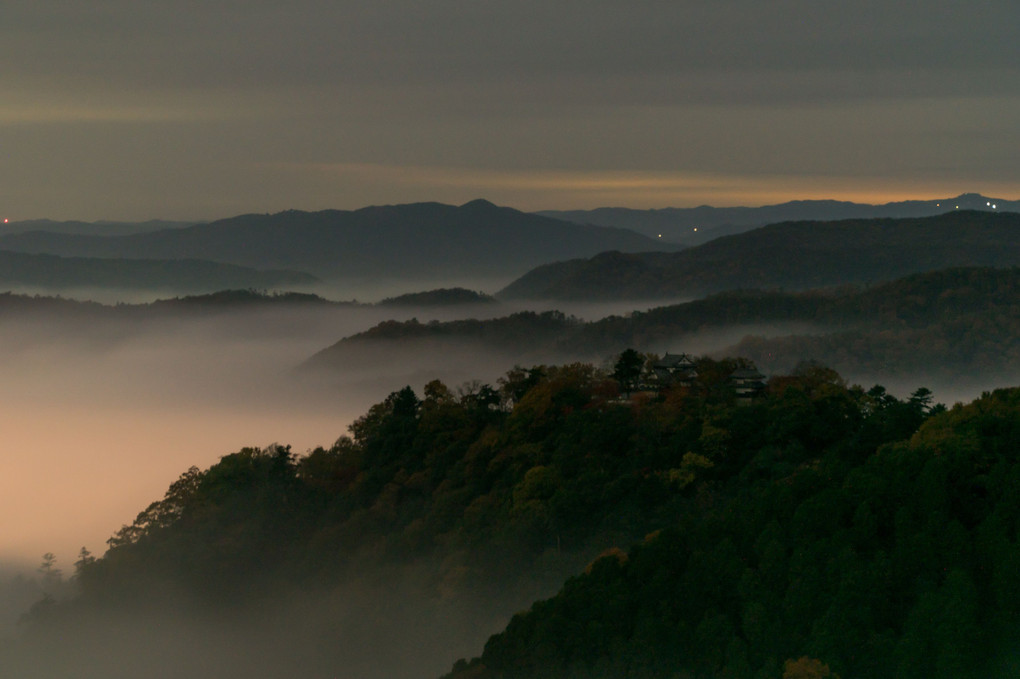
x,y
138,109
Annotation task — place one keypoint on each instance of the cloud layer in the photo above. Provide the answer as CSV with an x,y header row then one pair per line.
x,y
201,110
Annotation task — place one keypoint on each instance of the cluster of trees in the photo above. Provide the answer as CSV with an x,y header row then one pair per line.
x,y
546,467
822,529
864,553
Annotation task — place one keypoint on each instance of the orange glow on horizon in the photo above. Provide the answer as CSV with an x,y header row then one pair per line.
x,y
587,189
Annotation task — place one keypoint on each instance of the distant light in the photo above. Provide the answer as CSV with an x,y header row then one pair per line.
x,y
660,235
993,207
695,228
957,207
988,203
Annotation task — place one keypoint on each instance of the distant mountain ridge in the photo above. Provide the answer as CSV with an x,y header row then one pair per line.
x,y
51,272
421,239
100,228
439,297
793,255
693,226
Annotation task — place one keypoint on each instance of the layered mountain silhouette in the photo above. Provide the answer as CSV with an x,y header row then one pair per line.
x,y
100,228
51,272
423,239
693,226
792,255
957,327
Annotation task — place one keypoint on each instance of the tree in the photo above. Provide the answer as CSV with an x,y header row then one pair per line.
x,y
436,393
51,576
518,381
85,560
628,369
48,569
405,403
807,668
921,400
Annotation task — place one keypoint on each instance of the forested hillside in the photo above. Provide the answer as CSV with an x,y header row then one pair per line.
x,y
826,553
954,325
481,499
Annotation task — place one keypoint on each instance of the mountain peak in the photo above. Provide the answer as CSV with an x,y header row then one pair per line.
x,y
479,204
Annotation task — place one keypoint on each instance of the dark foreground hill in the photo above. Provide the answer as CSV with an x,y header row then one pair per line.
x,y
423,239
694,226
898,563
810,521
792,255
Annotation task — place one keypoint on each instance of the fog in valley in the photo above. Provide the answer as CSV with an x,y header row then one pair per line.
x,y
357,631
101,412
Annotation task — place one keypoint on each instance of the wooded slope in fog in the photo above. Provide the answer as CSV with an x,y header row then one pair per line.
x,y
806,522
494,492
950,324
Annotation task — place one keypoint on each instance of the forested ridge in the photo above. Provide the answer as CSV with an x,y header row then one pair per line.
x,y
952,323
871,534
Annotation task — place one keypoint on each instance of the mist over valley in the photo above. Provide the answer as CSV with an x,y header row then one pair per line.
x,y
373,474
408,340
143,390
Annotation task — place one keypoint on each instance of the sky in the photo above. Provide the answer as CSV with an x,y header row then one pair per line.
x,y
138,109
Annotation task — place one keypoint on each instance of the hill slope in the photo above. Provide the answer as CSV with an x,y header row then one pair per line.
x,y
465,502
796,255
957,326
899,563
